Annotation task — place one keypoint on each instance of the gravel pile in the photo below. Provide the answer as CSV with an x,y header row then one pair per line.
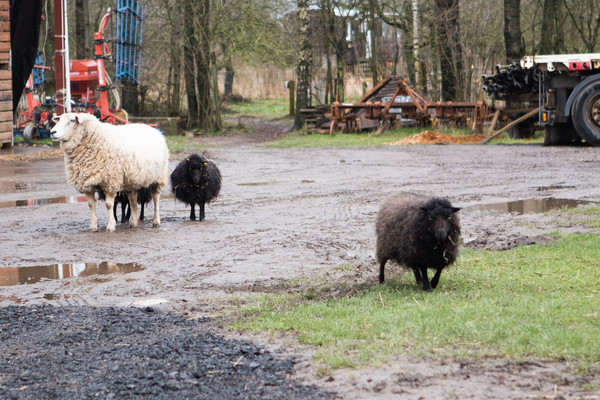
x,y
114,353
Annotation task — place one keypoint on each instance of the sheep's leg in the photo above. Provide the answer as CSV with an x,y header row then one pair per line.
x,y
426,286
436,278
382,272
417,274
91,199
124,212
134,219
201,207
156,201
142,212
110,204
193,212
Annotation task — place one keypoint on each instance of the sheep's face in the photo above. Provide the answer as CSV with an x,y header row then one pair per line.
x,y
65,125
195,169
442,220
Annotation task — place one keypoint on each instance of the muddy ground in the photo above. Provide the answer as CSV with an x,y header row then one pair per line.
x,y
290,213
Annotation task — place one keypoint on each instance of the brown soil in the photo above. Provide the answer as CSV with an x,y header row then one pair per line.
x,y
428,137
292,213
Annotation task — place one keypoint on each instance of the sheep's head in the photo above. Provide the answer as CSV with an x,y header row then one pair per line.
x,y
65,126
441,218
195,166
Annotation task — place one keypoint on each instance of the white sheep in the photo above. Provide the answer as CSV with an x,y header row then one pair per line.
x,y
112,158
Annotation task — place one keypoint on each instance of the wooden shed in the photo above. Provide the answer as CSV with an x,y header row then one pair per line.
x,y
6,103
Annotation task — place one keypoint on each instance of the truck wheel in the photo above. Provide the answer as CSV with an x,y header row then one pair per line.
x,y
585,113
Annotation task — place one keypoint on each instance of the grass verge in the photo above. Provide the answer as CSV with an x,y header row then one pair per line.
x,y
537,301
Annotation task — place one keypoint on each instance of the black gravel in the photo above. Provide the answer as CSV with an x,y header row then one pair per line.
x,y
76,352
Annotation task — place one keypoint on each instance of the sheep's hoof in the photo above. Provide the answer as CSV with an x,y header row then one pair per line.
x,y
110,229
156,224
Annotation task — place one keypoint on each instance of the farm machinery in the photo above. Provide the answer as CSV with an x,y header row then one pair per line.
x,y
393,103
559,93
88,80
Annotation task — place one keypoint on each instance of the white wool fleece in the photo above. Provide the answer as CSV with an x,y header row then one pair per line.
x,y
112,157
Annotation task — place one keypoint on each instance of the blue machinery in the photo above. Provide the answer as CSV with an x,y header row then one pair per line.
x,y
129,16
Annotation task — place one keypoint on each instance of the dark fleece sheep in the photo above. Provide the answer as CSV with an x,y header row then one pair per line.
x,y
143,198
419,233
196,180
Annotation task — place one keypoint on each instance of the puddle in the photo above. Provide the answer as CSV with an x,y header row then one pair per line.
x,y
258,183
531,206
37,202
270,183
553,187
27,275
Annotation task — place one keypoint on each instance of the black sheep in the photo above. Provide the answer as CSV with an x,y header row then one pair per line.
x,y
196,180
144,196
419,233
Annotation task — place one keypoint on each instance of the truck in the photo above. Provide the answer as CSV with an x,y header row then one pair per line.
x,y
564,88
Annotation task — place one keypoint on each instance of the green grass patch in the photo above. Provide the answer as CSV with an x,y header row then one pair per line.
x,y
183,144
39,142
302,139
536,301
268,108
591,214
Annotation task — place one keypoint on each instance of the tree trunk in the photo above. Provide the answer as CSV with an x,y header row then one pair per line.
x,y
303,70
417,59
450,50
202,52
512,31
174,84
189,66
82,38
229,75
552,39
130,100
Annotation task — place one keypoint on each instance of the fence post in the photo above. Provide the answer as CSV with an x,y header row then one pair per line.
x,y
291,85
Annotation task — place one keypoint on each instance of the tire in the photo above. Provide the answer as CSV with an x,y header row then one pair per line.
x,y
585,113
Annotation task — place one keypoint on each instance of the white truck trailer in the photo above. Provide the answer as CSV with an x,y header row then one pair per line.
x,y
566,87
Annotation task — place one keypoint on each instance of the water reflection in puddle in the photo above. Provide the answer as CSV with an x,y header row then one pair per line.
x,y
27,275
531,206
37,202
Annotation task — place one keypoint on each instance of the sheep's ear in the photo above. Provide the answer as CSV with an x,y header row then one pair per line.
x,y
56,118
76,118
455,209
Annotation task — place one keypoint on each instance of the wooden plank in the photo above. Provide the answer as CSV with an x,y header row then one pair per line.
x,y
494,122
5,26
6,116
6,126
5,36
4,46
507,127
5,84
6,74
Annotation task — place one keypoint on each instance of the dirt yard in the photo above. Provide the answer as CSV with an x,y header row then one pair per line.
x,y
288,213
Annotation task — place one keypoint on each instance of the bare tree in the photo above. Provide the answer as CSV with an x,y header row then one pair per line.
x,y
305,59
450,48
83,39
512,30
585,22
552,34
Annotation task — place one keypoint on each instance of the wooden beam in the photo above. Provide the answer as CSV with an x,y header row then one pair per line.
x,y
517,121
